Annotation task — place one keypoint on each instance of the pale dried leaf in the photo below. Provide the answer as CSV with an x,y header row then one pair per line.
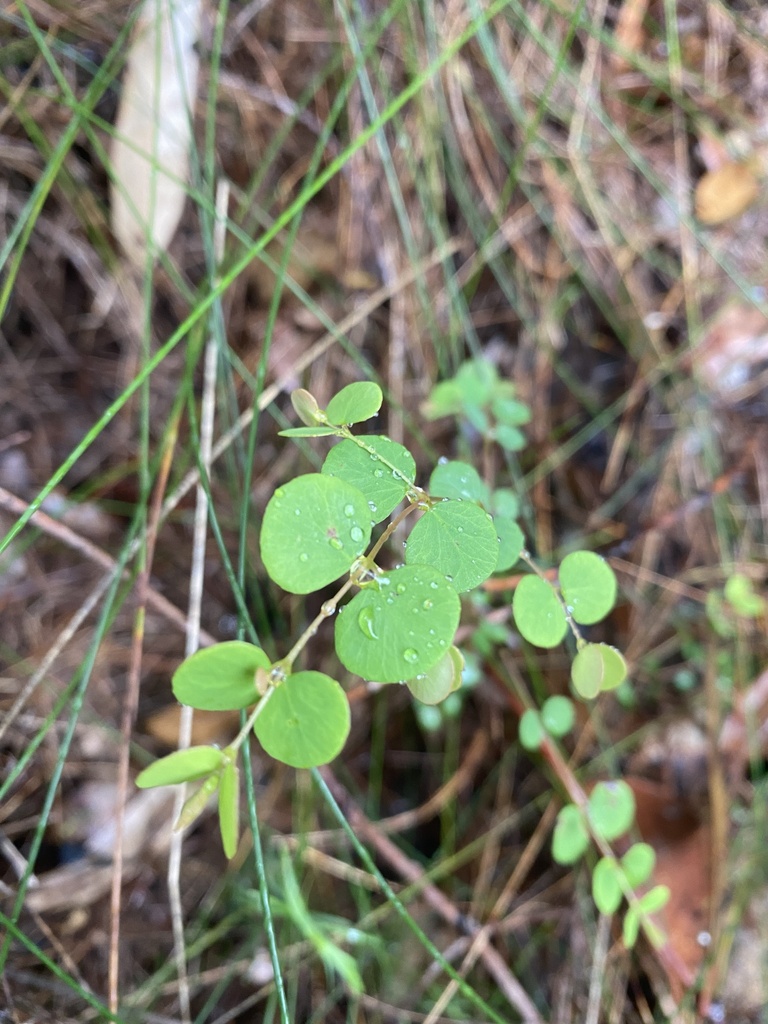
x,y
725,193
150,153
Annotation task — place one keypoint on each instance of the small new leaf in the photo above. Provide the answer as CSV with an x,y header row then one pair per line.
x,y
229,807
606,885
355,403
182,766
611,809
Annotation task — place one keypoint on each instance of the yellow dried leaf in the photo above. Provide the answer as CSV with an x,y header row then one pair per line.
x,y
725,193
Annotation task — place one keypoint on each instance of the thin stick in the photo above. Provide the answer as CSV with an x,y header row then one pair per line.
x,y
130,709
197,574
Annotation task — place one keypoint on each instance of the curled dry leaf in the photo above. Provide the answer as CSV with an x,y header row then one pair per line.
x,y
150,154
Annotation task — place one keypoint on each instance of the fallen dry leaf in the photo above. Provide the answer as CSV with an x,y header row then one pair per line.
x,y
725,193
153,133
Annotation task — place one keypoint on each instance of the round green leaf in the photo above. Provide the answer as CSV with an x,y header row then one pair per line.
x,y
458,480
539,616
510,438
457,538
434,685
531,729
181,766
505,503
570,838
355,403
220,678
305,722
740,594
638,864
511,542
597,667
611,809
588,586
606,885
383,489
477,380
398,626
313,529
229,807
558,715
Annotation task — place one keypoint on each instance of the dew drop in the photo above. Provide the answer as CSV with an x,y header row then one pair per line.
x,y
426,605
441,643
303,557
356,534
297,511
401,588
327,608
410,655
349,511
373,506
460,529
365,622
335,543
374,458
433,585
442,461
449,578
378,473
279,492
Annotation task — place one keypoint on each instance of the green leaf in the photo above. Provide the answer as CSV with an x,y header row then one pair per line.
x,y
220,678
654,900
383,489
229,807
355,403
458,539
558,715
458,480
306,407
611,809
511,542
539,616
510,411
588,586
741,596
531,729
399,625
595,668
631,928
505,503
313,529
182,766
197,803
434,685
305,722
444,400
606,885
510,438
477,380
571,838
638,864
309,431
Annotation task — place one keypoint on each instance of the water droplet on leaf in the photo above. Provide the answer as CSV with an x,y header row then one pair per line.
x,y
356,534
410,655
349,511
365,622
